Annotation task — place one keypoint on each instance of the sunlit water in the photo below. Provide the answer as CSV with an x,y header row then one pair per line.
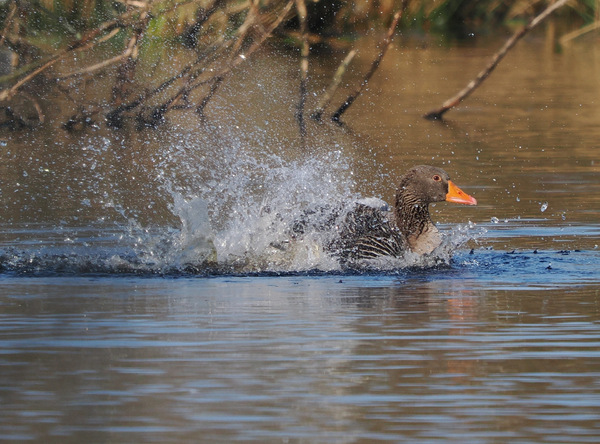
x,y
150,290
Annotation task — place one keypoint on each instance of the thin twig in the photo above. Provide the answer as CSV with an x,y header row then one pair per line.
x,y
8,94
213,89
242,31
114,117
437,114
251,20
190,74
8,22
85,42
241,58
202,15
160,111
579,32
126,70
333,86
302,13
36,105
384,46
104,63
124,74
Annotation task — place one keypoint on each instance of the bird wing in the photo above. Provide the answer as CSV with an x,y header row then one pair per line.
x,y
366,232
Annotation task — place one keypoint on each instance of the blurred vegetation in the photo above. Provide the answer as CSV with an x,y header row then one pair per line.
x,y
65,19
35,34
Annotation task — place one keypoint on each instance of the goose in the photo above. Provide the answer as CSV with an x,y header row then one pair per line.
x,y
369,231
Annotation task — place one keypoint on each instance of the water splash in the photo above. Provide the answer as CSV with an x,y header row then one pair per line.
x,y
229,207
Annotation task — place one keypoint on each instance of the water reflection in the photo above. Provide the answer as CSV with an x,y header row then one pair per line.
x,y
304,359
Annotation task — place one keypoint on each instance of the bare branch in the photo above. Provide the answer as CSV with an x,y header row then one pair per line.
x,y
243,30
86,41
384,46
159,112
104,63
437,114
565,39
333,86
213,89
8,22
302,13
36,105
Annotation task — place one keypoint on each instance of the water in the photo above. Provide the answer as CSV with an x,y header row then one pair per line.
x,y
148,292
455,355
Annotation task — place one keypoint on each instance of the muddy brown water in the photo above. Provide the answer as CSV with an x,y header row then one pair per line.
x,y
106,336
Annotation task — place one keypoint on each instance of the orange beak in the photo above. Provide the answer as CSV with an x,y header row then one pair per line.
x,y
457,195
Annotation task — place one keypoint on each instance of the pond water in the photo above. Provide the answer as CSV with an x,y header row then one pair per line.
x,y
145,295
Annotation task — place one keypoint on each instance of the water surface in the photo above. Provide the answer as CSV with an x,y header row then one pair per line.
x,y
108,335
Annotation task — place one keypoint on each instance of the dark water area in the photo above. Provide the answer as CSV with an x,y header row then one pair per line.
x,y
145,295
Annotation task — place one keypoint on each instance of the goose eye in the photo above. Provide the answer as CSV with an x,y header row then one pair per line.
x,y
437,178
